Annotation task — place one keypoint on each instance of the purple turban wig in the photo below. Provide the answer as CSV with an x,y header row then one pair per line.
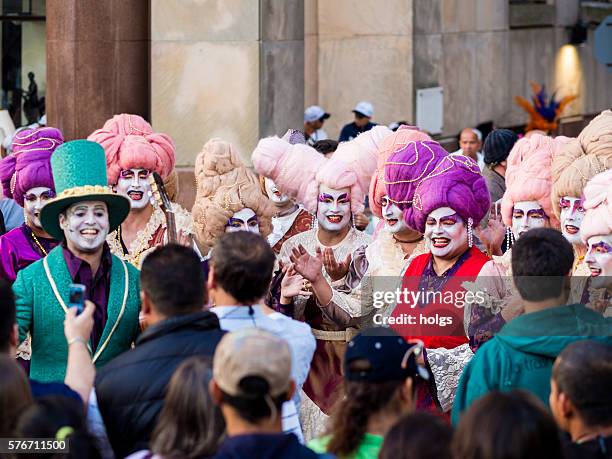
x,y
407,167
29,166
455,182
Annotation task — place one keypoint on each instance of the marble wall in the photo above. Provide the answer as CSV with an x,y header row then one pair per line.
x,y
226,68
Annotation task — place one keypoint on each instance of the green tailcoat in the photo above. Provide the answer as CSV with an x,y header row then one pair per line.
x,y
41,313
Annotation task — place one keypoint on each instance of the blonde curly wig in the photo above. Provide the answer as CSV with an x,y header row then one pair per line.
x,y
581,159
225,186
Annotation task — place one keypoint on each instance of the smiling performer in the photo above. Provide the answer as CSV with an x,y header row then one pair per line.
x,y
572,167
290,218
447,203
133,152
81,215
332,189
526,205
26,177
228,196
597,234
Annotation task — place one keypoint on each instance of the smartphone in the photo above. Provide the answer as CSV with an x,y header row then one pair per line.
x,y
77,297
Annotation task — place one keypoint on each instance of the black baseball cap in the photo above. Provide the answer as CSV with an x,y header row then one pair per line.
x,y
390,357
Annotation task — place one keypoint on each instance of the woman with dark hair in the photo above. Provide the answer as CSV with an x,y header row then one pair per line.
x,y
15,395
189,425
60,418
513,425
381,374
418,436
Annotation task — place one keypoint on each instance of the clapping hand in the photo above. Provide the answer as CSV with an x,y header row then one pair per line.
x,y
293,284
309,267
335,270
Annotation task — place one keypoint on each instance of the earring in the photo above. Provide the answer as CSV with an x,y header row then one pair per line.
x,y
353,220
470,232
25,216
314,224
509,237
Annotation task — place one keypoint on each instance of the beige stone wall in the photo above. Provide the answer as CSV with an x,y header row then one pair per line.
x,y
363,51
225,68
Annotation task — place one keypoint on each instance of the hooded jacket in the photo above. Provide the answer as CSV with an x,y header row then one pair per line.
x,y
521,356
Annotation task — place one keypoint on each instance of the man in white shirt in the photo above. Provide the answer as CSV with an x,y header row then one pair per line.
x,y
314,117
240,274
470,142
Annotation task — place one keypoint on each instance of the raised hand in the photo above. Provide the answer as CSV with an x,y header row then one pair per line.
x,y
492,236
335,270
309,267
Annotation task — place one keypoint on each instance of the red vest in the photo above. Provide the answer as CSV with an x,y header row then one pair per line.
x,y
439,323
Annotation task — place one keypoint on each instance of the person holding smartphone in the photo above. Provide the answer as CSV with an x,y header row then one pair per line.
x,y
81,216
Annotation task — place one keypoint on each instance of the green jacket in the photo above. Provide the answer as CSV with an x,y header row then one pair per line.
x,y
41,313
522,354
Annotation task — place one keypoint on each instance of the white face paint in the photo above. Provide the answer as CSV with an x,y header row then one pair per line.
x,y
274,193
393,215
33,201
527,215
243,220
85,225
599,260
446,233
134,185
334,208
572,214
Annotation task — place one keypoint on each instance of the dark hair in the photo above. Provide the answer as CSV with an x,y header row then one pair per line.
x,y
541,261
350,415
8,315
243,264
50,414
189,425
583,372
325,146
255,407
172,277
15,395
418,435
513,425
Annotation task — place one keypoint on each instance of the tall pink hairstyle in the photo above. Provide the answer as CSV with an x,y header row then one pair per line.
x,y
129,143
528,175
390,145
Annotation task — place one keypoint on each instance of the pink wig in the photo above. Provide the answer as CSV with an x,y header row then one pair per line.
x,y
129,142
390,145
598,204
225,186
528,175
353,164
291,167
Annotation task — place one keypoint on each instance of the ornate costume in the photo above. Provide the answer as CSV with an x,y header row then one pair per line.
x,y
225,187
300,172
429,183
42,289
28,167
130,143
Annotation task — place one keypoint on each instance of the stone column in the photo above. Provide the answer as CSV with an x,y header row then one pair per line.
x,y
97,62
226,68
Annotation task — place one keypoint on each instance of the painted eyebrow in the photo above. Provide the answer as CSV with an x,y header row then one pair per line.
x,y
253,218
325,195
343,196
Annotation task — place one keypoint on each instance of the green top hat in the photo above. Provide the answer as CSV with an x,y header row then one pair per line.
x,y
79,174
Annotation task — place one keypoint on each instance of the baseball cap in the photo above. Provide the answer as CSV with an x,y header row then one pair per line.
x,y
365,108
314,112
252,352
390,357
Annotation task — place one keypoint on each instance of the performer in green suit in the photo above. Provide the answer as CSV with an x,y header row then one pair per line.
x,y
83,213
